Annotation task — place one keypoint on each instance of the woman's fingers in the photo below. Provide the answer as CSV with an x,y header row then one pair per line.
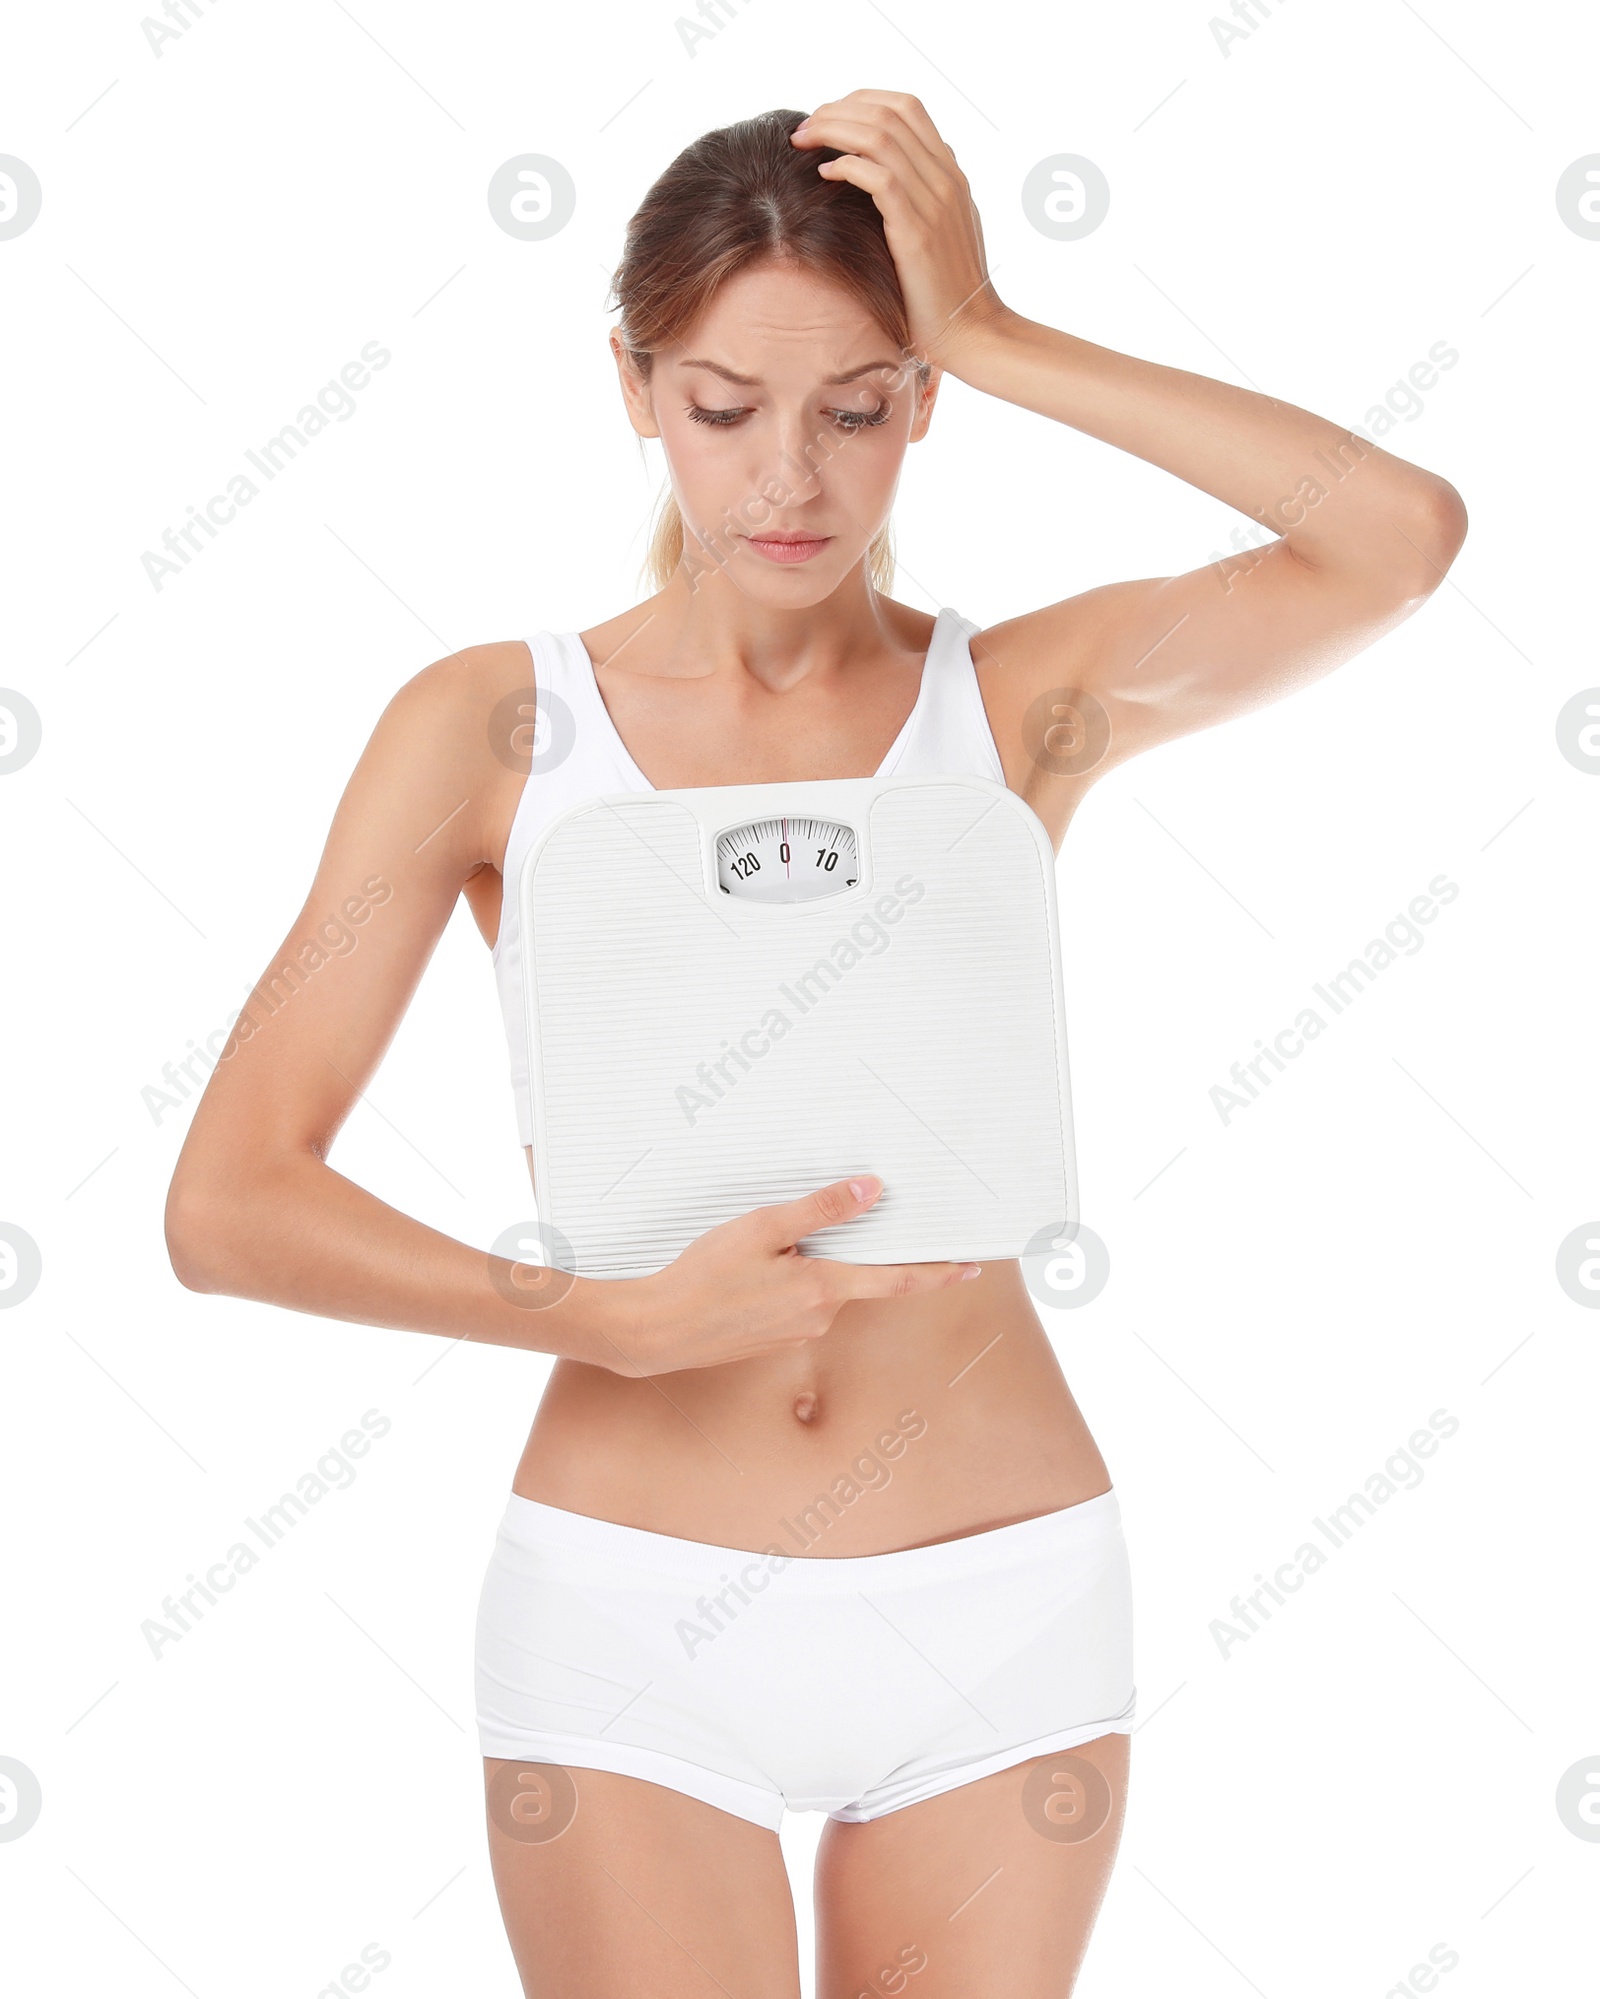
x,y
884,163
879,157
913,113
860,172
889,148
786,1222
745,1288
874,138
892,1280
887,113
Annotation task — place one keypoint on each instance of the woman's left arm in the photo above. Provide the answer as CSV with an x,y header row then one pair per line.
x,y
1363,537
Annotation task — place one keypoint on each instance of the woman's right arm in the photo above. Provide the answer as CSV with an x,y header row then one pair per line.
x,y
255,1210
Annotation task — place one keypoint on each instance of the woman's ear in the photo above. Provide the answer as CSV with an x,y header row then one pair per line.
x,y
635,389
927,395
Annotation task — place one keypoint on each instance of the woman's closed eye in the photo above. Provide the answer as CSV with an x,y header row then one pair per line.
x,y
849,420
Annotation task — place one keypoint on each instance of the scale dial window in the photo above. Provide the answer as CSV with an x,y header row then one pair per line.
x,y
787,860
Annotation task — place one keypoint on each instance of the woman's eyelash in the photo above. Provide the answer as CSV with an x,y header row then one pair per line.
x,y
850,419
862,419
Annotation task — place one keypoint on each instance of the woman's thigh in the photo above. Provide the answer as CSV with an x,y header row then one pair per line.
x,y
611,1887
990,1888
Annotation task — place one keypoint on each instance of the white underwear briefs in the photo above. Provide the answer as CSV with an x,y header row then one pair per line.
x,y
764,1682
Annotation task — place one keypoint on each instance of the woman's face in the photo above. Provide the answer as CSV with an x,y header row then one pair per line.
x,y
784,416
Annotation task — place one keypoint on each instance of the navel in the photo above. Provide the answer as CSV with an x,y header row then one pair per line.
x,y
806,1406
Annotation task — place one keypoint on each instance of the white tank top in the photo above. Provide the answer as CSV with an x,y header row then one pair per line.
x,y
946,733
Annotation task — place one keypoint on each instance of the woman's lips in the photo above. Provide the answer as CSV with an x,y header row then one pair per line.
x,y
789,551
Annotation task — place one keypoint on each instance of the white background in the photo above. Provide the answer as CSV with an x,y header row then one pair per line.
x,y
1292,1293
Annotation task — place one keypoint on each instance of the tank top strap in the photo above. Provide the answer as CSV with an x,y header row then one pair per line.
x,y
949,732
555,675
576,753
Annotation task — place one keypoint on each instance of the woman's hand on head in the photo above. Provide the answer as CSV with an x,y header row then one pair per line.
x,y
892,150
744,1289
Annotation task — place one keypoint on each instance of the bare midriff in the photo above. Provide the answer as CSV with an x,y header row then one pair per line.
x,y
910,1421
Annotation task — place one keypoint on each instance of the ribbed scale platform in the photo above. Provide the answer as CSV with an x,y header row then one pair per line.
x,y
936,1059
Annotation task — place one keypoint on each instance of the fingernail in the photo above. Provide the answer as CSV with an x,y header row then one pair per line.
x,y
972,1270
804,122
861,1189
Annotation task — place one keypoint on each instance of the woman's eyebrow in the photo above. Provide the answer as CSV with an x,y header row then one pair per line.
x,y
754,381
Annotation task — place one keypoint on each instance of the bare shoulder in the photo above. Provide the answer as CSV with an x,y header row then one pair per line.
x,y
453,697
452,730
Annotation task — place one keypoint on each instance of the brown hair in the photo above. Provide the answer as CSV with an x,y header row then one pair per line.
x,y
735,197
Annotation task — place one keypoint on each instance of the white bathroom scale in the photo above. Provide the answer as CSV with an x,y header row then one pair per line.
x,y
738,993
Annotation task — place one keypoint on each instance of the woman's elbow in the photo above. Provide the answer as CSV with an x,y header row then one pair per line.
x,y
197,1232
1443,525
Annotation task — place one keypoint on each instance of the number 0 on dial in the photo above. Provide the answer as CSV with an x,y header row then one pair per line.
x,y
786,860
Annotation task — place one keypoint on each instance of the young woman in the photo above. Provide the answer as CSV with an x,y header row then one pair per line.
x,y
935,1648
